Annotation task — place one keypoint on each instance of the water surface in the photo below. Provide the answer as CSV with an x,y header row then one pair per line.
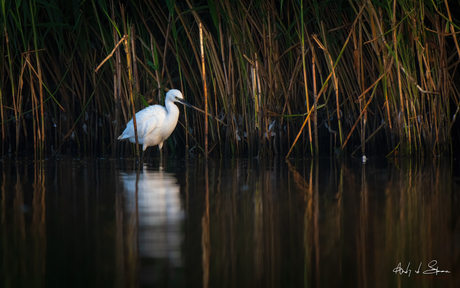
x,y
229,223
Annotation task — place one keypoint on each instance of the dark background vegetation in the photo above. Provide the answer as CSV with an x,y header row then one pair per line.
x,y
362,77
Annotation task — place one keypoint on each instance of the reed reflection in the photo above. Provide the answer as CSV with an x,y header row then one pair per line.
x,y
252,235
23,226
320,223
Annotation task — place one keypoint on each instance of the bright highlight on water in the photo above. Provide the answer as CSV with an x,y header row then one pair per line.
x,y
155,123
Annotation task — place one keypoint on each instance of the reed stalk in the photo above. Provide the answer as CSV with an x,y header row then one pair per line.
x,y
129,61
203,70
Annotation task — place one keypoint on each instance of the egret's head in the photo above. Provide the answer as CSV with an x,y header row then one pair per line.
x,y
175,95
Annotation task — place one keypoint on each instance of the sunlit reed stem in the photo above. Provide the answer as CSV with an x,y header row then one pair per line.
x,y
130,82
401,118
205,93
134,61
42,111
259,101
305,70
315,111
116,84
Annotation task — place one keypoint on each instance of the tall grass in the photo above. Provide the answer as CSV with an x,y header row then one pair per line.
x,y
376,77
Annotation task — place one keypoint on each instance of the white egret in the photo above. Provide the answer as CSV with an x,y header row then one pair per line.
x,y
155,123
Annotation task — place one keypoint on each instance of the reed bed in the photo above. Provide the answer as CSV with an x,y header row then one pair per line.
x,y
290,78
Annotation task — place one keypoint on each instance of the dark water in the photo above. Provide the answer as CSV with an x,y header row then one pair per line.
x,y
230,223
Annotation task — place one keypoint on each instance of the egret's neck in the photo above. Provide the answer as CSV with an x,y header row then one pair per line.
x,y
173,111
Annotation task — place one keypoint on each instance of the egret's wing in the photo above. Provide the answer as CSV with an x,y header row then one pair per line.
x,y
146,119
149,119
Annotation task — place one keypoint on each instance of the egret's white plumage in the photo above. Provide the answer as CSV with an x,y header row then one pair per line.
x,y
155,123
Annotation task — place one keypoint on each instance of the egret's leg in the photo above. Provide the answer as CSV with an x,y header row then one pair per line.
x,y
161,154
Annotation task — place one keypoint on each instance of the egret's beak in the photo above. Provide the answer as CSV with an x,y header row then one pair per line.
x,y
198,109
186,103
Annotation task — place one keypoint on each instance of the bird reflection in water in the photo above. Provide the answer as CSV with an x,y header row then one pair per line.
x,y
152,198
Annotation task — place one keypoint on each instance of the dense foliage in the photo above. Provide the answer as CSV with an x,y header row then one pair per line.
x,y
328,76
